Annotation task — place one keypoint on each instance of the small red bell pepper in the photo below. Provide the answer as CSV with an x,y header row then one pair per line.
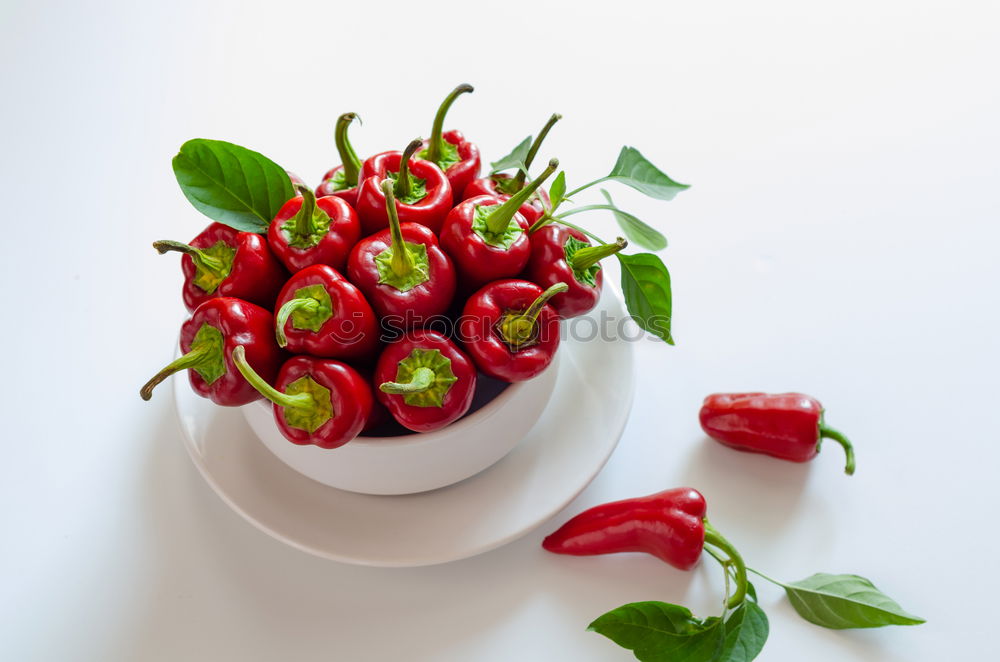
x,y
207,339
503,185
425,380
449,150
321,402
510,331
670,525
488,238
560,254
320,312
342,180
224,262
789,426
307,231
422,192
402,271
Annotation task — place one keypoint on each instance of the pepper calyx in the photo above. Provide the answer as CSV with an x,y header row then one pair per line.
x,y
310,223
419,271
505,238
211,265
584,259
407,188
313,418
310,309
519,329
206,357
423,378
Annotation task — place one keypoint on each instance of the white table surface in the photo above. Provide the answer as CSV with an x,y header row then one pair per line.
x,y
840,239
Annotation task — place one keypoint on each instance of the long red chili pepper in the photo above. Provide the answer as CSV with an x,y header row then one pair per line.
x,y
321,402
308,231
425,380
560,254
224,262
789,426
342,180
670,525
488,238
450,151
207,339
421,190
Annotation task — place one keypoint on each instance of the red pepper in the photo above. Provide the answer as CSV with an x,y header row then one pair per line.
x,y
307,231
425,380
503,186
670,525
207,339
789,426
560,254
320,312
223,262
321,402
487,237
342,180
510,331
450,151
423,194
402,271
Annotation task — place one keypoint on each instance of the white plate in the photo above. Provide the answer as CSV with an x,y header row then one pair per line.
x,y
555,461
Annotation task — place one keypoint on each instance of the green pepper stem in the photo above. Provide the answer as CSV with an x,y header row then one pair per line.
x,y
289,307
305,218
533,150
519,328
298,401
402,261
588,257
826,432
498,219
202,260
435,146
348,157
716,539
192,359
422,380
403,182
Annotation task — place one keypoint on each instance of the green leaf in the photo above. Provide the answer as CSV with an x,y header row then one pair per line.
x,y
633,169
845,601
746,633
515,159
661,632
558,189
637,231
231,184
646,286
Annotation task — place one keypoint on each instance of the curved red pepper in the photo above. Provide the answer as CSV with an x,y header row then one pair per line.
x,y
487,237
670,525
224,262
510,331
789,426
321,402
207,339
425,380
429,210
561,254
450,151
417,279
319,312
308,231
342,180
532,210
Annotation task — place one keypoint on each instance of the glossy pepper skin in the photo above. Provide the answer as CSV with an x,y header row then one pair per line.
x,y
553,249
442,395
319,312
208,338
408,291
531,210
506,357
669,525
789,426
309,230
449,150
319,402
428,211
342,180
224,262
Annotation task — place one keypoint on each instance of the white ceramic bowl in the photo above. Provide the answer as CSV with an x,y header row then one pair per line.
x,y
416,462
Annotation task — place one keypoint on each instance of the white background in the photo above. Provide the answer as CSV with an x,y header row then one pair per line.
x,y
840,238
